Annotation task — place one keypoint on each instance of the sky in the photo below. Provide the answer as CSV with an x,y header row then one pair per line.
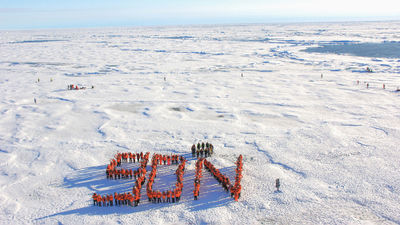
x,y
31,14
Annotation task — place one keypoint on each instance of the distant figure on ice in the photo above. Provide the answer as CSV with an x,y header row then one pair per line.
x,y
242,74
322,76
165,79
193,150
34,100
369,70
277,184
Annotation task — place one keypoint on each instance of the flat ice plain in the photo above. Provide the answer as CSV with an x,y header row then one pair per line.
x,y
333,143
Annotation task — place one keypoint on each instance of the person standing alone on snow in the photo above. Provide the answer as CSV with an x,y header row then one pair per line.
x,y
277,184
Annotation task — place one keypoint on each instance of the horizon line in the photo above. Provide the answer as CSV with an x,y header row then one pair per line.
x,y
273,22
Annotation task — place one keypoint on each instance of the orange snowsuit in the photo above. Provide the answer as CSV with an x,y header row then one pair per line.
x,y
237,190
168,195
137,197
178,194
236,196
110,198
99,199
123,173
104,200
94,196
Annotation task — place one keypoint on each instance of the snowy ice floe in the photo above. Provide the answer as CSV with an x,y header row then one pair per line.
x,y
307,118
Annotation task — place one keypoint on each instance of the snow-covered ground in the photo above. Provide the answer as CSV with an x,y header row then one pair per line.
x,y
333,143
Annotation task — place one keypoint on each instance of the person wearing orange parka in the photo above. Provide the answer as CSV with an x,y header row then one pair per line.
x,y
158,200
94,196
173,196
168,196
178,195
110,200
130,200
99,200
104,200
195,193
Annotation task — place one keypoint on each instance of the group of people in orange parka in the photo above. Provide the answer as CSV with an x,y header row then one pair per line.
x,y
111,171
237,188
199,168
224,180
141,179
133,198
108,200
170,195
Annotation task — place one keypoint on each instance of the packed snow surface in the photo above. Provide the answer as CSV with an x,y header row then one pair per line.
x,y
306,118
